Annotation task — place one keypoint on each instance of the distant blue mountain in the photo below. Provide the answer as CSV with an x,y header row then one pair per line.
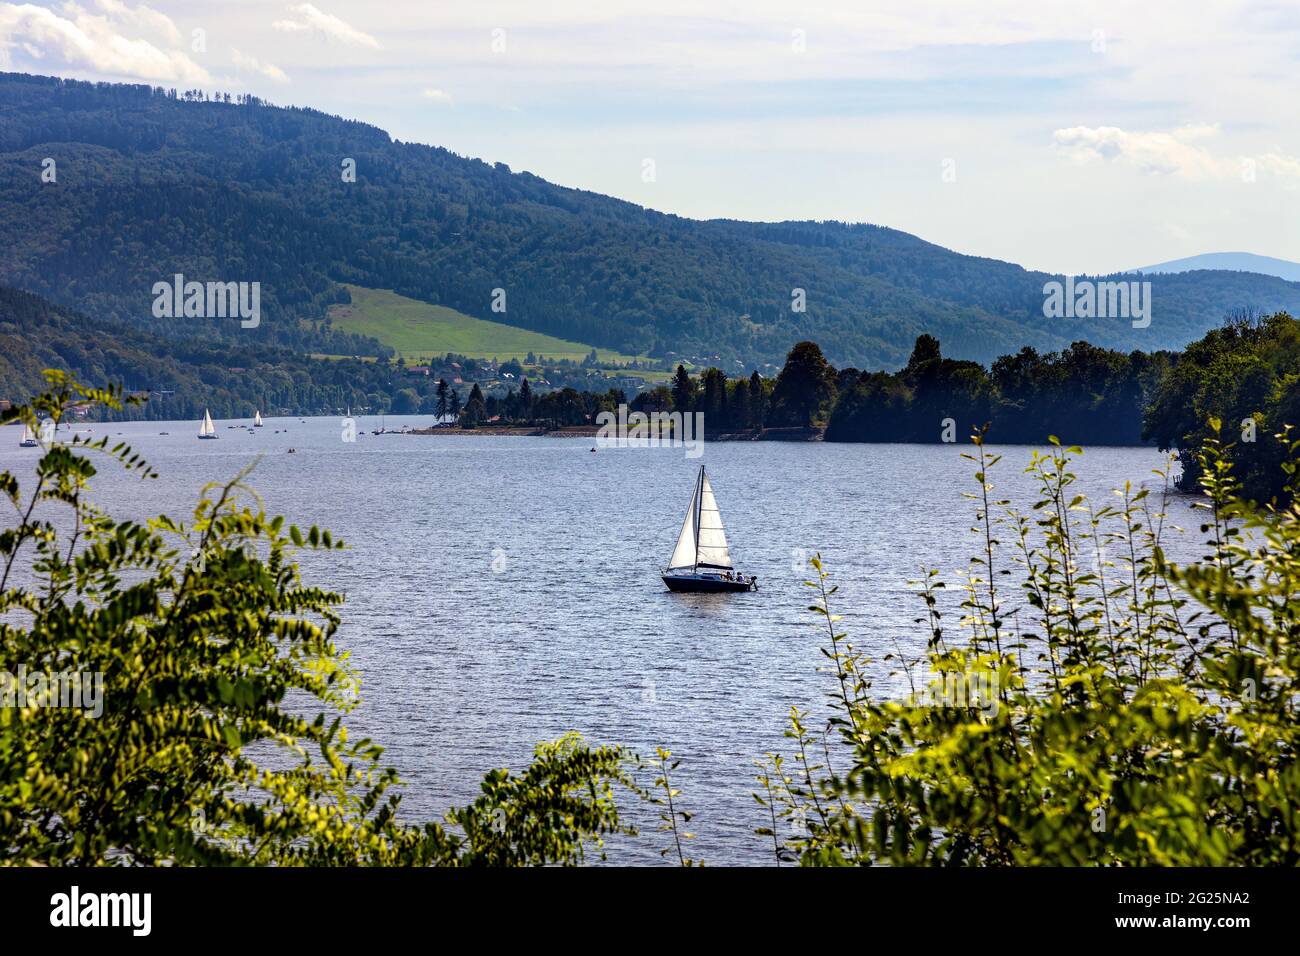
x,y
1231,262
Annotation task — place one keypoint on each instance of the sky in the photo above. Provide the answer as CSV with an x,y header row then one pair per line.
x,y
1073,137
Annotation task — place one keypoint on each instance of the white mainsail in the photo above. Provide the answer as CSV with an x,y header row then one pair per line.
x,y
702,540
257,419
684,553
207,428
710,538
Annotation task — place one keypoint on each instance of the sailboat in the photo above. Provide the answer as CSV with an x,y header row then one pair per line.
x,y
257,419
701,560
29,437
207,429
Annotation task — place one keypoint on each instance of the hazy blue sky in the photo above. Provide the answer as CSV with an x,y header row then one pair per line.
x,y
1082,136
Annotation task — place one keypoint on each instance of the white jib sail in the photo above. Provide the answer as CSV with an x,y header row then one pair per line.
x,y
207,428
684,553
712,539
257,418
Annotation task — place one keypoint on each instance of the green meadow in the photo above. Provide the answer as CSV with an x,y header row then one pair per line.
x,y
420,330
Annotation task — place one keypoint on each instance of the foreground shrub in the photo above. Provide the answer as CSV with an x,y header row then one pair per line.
x,y
1121,709
182,697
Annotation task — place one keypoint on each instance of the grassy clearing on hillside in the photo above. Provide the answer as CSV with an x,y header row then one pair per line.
x,y
419,330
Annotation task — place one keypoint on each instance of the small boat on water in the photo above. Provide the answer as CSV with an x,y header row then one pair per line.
x,y
207,429
29,437
701,561
257,419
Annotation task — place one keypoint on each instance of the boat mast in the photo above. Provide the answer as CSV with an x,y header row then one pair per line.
x,y
699,501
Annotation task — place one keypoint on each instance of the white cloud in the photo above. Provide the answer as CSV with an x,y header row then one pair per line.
x,y
97,42
437,96
1279,165
1153,152
1175,153
142,17
311,20
252,64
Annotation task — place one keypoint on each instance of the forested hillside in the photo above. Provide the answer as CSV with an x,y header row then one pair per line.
x,y
152,183
1245,375
189,375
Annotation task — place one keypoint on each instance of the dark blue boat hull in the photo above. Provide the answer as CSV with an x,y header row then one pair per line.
x,y
706,585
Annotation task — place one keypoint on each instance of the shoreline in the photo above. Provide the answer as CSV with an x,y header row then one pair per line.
x,y
593,431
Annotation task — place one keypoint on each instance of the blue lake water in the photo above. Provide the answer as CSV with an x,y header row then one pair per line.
x,y
502,591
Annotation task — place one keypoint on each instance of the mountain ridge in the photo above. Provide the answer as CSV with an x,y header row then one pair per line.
x,y
152,183
1229,262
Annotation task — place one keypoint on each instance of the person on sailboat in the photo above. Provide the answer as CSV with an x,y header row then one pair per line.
x,y
701,560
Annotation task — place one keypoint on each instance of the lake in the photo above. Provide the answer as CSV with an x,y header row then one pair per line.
x,y
502,591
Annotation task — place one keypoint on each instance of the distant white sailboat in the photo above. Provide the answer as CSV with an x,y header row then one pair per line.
x,y
701,561
257,419
207,429
29,437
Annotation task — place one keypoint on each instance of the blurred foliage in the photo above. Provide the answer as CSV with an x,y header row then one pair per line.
x,y
1124,710
672,817
221,738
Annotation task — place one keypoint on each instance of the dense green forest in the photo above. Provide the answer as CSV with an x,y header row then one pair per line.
x,y
151,183
1246,376
1083,394
185,376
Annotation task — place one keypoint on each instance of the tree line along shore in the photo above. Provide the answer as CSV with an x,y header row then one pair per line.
x,y
1244,374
